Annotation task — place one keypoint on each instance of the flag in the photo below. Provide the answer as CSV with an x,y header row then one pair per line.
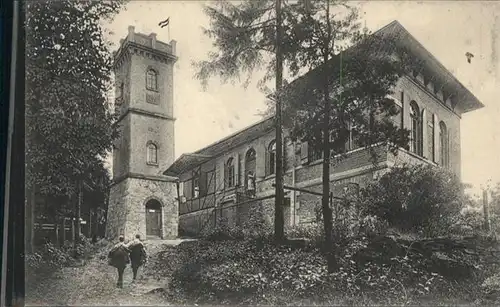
x,y
164,23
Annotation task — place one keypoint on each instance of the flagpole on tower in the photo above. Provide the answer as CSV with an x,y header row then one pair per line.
x,y
166,23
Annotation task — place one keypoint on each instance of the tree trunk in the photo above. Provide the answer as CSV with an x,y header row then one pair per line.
x,y
78,204
325,201
279,231
30,221
56,228
63,230
73,231
90,224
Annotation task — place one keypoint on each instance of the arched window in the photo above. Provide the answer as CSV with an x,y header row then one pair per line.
x,y
416,129
250,168
443,144
152,80
152,154
272,157
230,173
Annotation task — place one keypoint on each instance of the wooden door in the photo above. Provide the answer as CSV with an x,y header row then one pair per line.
x,y
153,222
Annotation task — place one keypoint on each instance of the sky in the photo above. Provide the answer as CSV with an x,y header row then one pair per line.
x,y
448,29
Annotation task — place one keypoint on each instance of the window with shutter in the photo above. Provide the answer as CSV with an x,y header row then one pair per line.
x,y
203,184
188,189
271,158
237,170
430,136
196,187
230,173
416,129
443,144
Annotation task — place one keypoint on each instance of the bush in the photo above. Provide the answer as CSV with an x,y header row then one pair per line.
x,y
253,225
313,232
381,269
421,199
49,257
239,271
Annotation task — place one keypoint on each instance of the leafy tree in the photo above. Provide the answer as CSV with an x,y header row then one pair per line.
x,y
345,93
422,199
68,69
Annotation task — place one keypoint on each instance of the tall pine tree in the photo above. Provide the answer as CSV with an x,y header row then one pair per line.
x,y
344,97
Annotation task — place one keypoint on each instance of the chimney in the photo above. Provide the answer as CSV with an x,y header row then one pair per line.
x,y
153,40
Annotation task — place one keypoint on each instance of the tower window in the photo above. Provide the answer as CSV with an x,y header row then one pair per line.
x,y
152,80
152,154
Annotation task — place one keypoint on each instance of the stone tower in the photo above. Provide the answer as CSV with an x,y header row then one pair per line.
x,y
142,200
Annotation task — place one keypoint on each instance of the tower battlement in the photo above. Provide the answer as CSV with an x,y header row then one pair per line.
x,y
146,42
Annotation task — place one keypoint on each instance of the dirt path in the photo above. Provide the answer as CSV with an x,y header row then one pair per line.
x,y
94,284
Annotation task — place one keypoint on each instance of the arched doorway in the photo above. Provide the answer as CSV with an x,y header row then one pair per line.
x,y
153,218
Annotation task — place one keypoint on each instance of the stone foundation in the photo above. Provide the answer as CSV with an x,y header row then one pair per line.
x,y
127,208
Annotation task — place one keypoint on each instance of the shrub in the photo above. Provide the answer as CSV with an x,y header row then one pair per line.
x,y
311,231
422,199
49,257
381,269
244,270
253,224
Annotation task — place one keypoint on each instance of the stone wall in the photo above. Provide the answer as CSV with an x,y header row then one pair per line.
x,y
127,207
117,210
192,223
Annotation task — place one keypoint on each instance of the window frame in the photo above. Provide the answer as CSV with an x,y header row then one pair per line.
x,y
271,148
444,154
415,129
230,173
149,147
152,84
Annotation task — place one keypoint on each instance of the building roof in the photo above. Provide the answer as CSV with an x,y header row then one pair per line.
x,y
187,161
465,100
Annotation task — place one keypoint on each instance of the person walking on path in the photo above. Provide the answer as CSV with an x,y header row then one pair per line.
x,y
119,258
138,254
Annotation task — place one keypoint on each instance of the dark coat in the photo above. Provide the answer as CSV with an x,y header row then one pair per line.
x,y
119,256
138,254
